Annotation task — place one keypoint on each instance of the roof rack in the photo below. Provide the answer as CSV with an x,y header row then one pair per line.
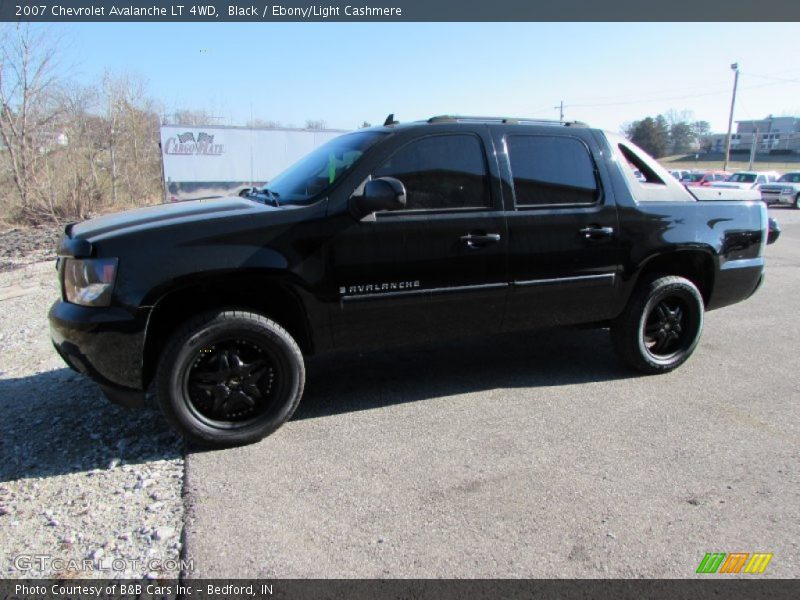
x,y
503,120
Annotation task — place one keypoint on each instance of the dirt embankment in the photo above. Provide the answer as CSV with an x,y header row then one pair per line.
x,y
24,246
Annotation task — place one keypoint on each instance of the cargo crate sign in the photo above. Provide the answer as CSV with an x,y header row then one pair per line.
x,y
204,162
186,144
720,562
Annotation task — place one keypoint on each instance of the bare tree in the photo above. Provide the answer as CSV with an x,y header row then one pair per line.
x,y
28,112
189,118
69,175
69,151
264,124
132,137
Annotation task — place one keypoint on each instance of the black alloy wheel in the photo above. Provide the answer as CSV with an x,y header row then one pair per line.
x,y
229,377
661,325
231,381
666,329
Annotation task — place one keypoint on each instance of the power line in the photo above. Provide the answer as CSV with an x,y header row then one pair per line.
x,y
560,109
723,89
680,89
649,99
780,79
669,98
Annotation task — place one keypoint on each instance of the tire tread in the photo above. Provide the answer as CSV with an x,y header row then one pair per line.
x,y
178,341
625,328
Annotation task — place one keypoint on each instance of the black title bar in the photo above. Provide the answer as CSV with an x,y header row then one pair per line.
x,y
399,10
397,589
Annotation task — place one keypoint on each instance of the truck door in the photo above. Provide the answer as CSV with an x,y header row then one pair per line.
x,y
438,267
564,254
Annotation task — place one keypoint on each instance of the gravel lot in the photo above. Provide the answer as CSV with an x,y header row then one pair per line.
x,y
541,458
80,479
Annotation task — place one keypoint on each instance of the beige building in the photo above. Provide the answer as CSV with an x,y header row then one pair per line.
x,y
776,135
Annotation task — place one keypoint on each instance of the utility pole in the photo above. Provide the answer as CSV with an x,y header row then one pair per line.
x,y
753,151
735,68
560,108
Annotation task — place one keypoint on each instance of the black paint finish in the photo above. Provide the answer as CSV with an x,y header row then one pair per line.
x,y
401,276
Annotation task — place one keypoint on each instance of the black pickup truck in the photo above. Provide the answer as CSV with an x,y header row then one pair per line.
x,y
452,226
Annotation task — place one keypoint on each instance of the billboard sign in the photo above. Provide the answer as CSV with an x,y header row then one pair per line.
x,y
212,161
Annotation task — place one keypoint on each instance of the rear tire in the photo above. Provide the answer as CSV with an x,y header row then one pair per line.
x,y
661,325
229,378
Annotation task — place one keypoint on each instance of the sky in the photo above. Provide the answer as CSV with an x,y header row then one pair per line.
x,y
347,73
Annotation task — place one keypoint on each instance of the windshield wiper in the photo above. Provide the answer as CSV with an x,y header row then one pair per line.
x,y
264,194
273,196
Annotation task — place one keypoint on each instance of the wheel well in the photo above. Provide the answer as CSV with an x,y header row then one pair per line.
x,y
696,266
262,295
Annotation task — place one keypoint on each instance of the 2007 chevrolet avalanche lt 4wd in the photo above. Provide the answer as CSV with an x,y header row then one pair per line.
x,y
405,232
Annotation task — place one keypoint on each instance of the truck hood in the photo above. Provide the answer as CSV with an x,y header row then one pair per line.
x,y
163,214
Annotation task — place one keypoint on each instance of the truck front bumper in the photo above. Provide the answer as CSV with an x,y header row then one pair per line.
x,y
781,198
105,344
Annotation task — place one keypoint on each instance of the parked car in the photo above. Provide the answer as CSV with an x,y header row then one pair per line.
x,y
396,234
679,173
747,180
704,178
786,190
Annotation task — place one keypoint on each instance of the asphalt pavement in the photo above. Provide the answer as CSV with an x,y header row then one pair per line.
x,y
535,455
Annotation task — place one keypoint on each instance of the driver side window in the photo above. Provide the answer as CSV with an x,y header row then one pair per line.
x,y
441,172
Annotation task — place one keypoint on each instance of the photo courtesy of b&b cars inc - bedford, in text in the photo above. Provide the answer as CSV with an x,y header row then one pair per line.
x,y
399,299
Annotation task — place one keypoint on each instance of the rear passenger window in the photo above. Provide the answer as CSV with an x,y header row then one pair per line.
x,y
637,164
441,172
551,170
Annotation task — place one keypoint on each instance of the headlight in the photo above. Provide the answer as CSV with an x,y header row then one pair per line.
x,y
90,282
788,190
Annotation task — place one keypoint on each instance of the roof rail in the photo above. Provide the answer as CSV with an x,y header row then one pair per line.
x,y
504,120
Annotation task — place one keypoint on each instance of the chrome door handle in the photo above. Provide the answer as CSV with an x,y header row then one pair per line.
x,y
595,232
476,240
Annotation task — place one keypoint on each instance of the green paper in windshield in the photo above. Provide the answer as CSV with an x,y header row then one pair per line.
x,y
331,167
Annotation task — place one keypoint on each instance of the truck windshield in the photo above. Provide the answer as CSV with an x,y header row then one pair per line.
x,y
790,178
742,177
317,171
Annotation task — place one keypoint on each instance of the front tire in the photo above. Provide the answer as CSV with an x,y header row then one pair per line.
x,y
661,325
797,202
229,378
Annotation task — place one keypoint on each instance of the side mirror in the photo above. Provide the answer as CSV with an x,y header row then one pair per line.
x,y
774,231
383,193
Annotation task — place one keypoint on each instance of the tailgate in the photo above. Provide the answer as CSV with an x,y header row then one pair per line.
x,y
717,194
